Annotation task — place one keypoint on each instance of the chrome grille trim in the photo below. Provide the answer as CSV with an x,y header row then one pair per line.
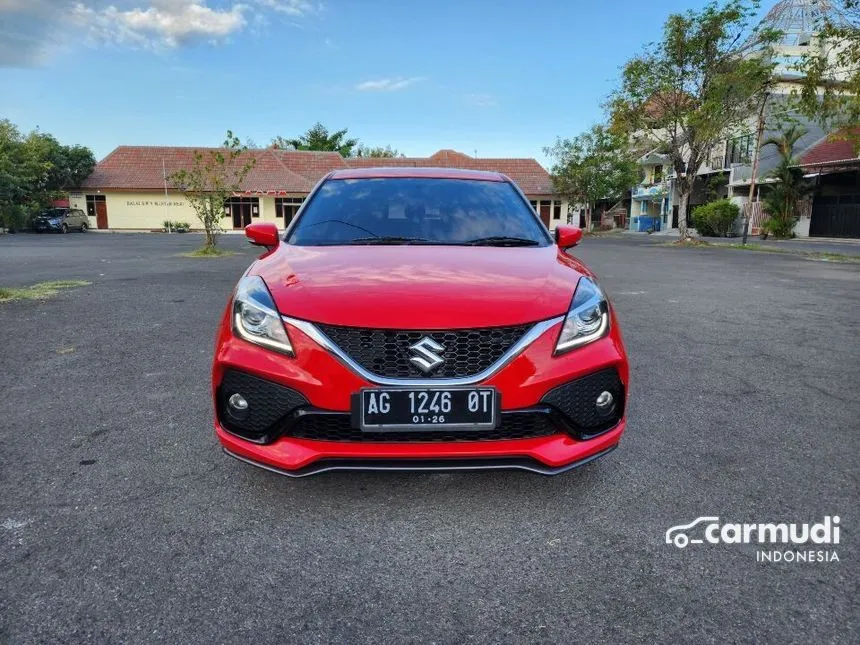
x,y
515,350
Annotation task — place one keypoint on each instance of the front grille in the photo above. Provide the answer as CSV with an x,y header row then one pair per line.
x,y
336,427
385,352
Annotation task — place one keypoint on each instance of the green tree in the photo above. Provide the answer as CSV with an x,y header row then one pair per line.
x,y
699,83
318,137
34,169
790,187
211,180
376,151
830,90
595,165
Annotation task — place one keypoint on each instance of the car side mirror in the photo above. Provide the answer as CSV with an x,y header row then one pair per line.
x,y
263,234
567,236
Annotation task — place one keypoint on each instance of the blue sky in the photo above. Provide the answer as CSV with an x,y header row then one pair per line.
x,y
500,77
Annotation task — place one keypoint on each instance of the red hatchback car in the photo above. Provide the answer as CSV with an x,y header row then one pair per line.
x,y
418,319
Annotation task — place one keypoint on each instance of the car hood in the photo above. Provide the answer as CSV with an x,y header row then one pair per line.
x,y
420,287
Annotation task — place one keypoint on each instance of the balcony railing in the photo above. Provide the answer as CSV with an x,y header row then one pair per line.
x,y
651,191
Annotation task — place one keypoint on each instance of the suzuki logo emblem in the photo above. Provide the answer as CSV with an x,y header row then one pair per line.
x,y
426,354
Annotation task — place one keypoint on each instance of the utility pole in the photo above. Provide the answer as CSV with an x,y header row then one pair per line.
x,y
758,135
164,176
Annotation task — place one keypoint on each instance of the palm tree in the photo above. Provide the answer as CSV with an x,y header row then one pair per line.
x,y
790,186
319,138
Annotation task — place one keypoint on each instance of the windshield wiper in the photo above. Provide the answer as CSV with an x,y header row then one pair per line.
x,y
386,239
501,240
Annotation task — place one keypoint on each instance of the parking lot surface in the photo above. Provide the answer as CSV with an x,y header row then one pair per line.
x,y
122,521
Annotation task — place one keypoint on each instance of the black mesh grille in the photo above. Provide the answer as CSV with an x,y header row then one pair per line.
x,y
268,403
576,400
338,428
385,352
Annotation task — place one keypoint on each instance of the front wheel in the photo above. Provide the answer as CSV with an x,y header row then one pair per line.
x,y
84,227
64,228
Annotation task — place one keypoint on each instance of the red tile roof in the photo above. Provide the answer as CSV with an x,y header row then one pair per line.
x,y
833,148
140,168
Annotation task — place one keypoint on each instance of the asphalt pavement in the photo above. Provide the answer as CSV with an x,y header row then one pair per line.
x,y
122,522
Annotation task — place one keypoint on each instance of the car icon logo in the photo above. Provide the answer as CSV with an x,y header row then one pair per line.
x,y
426,354
677,535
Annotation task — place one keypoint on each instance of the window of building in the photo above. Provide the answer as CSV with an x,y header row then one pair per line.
x,y
91,203
534,205
556,210
658,174
740,149
287,207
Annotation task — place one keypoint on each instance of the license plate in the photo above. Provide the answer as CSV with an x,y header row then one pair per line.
x,y
381,409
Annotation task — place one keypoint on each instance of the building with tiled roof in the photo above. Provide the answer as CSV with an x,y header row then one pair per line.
x,y
833,152
131,188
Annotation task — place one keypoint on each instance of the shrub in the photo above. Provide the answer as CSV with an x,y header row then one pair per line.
x,y
777,227
15,218
715,219
176,227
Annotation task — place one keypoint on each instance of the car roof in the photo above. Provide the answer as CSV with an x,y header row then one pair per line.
x,y
416,172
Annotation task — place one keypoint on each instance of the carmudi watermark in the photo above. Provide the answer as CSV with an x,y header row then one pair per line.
x,y
781,541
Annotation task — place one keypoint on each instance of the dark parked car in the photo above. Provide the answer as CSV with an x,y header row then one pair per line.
x,y
61,220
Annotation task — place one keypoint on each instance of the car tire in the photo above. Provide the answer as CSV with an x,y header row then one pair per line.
x,y
84,227
64,228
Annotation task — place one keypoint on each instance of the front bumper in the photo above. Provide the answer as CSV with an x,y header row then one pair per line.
x,y
319,386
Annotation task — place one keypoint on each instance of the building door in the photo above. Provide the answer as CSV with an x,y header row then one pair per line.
x,y
286,209
835,216
101,215
242,210
241,215
545,210
97,207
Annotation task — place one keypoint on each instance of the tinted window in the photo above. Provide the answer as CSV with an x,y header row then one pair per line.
x,y
431,211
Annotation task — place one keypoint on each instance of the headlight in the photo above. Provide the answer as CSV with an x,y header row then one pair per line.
x,y
255,317
588,318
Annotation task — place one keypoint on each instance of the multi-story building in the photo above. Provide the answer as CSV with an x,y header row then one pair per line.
x,y
728,171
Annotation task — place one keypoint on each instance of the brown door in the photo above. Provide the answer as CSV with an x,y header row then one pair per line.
x,y
544,212
101,215
241,214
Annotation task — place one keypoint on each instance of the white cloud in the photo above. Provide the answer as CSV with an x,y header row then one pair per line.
x,y
165,22
32,32
388,84
292,7
480,99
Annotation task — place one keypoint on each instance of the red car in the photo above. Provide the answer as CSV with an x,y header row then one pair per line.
x,y
418,319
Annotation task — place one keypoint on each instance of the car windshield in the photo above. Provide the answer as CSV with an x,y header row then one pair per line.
x,y
417,211
54,212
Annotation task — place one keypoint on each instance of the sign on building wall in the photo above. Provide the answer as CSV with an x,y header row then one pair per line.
x,y
147,202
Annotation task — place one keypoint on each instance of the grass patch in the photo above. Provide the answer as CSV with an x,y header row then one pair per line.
x,y
599,233
688,243
809,255
208,252
764,248
40,291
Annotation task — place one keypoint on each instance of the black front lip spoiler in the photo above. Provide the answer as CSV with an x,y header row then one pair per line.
x,y
426,465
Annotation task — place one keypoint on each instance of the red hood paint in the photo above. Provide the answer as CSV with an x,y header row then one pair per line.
x,y
420,287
